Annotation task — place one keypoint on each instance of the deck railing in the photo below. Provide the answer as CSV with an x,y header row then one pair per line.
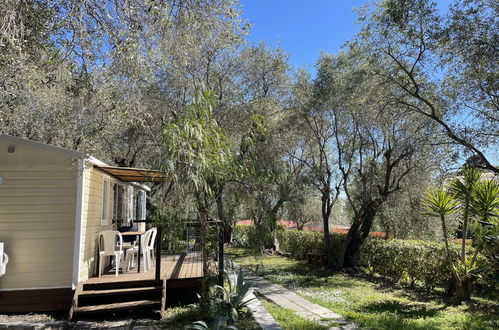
x,y
191,235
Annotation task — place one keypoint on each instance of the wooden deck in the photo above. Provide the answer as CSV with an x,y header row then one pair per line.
x,y
173,267
135,290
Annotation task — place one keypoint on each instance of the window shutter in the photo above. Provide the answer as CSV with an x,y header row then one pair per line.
x,y
130,203
105,203
121,197
144,203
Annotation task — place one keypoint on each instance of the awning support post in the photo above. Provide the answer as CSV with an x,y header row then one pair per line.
x,y
221,254
159,239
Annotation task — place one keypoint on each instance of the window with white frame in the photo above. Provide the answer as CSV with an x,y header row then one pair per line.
x,y
118,209
105,203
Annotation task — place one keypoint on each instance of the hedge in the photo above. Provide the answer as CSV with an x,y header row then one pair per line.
x,y
300,243
408,261
252,237
404,261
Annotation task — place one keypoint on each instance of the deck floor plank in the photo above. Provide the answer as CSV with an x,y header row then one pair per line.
x,y
172,267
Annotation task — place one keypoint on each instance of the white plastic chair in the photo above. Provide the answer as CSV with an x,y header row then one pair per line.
x,y
147,246
109,248
150,246
130,253
4,260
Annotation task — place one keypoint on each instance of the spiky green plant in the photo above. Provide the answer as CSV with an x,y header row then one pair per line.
x,y
235,298
219,323
479,201
485,206
440,203
462,187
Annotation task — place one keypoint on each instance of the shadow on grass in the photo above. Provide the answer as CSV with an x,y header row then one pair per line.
x,y
405,310
375,302
291,272
293,276
481,303
415,292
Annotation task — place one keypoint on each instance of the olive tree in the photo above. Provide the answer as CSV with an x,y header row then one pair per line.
x,y
441,68
314,127
365,140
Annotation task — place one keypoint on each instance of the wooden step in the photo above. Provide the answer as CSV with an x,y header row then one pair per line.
x,y
118,306
119,285
112,292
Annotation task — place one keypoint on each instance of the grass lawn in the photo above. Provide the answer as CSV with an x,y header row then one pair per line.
x,y
367,301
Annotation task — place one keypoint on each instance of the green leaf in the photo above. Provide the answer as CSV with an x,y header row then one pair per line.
x,y
438,202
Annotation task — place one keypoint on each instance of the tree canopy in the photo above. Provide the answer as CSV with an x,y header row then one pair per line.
x,y
176,85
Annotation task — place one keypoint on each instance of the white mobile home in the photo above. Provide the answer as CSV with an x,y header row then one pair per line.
x,y
53,204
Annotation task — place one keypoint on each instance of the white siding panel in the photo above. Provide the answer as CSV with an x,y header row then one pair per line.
x,y
37,211
91,225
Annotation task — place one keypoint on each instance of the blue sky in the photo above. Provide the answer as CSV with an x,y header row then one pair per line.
x,y
304,28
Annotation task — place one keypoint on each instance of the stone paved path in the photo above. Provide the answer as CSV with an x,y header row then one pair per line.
x,y
290,300
261,315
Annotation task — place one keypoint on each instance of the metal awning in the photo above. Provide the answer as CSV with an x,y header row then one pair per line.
x,y
130,174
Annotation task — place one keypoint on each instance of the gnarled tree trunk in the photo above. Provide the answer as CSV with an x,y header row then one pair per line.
x,y
326,213
358,232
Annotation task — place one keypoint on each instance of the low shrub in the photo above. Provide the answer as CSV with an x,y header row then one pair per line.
x,y
240,235
254,237
408,261
300,243
412,262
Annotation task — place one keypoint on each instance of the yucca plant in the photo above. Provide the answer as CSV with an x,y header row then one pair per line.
x,y
485,206
479,202
235,298
466,269
440,203
219,323
463,188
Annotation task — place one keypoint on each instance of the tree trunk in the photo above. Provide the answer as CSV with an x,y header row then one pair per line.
x,y
221,256
220,205
221,232
385,226
326,212
444,230
227,233
273,223
463,288
387,233
299,225
464,232
358,232
204,249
